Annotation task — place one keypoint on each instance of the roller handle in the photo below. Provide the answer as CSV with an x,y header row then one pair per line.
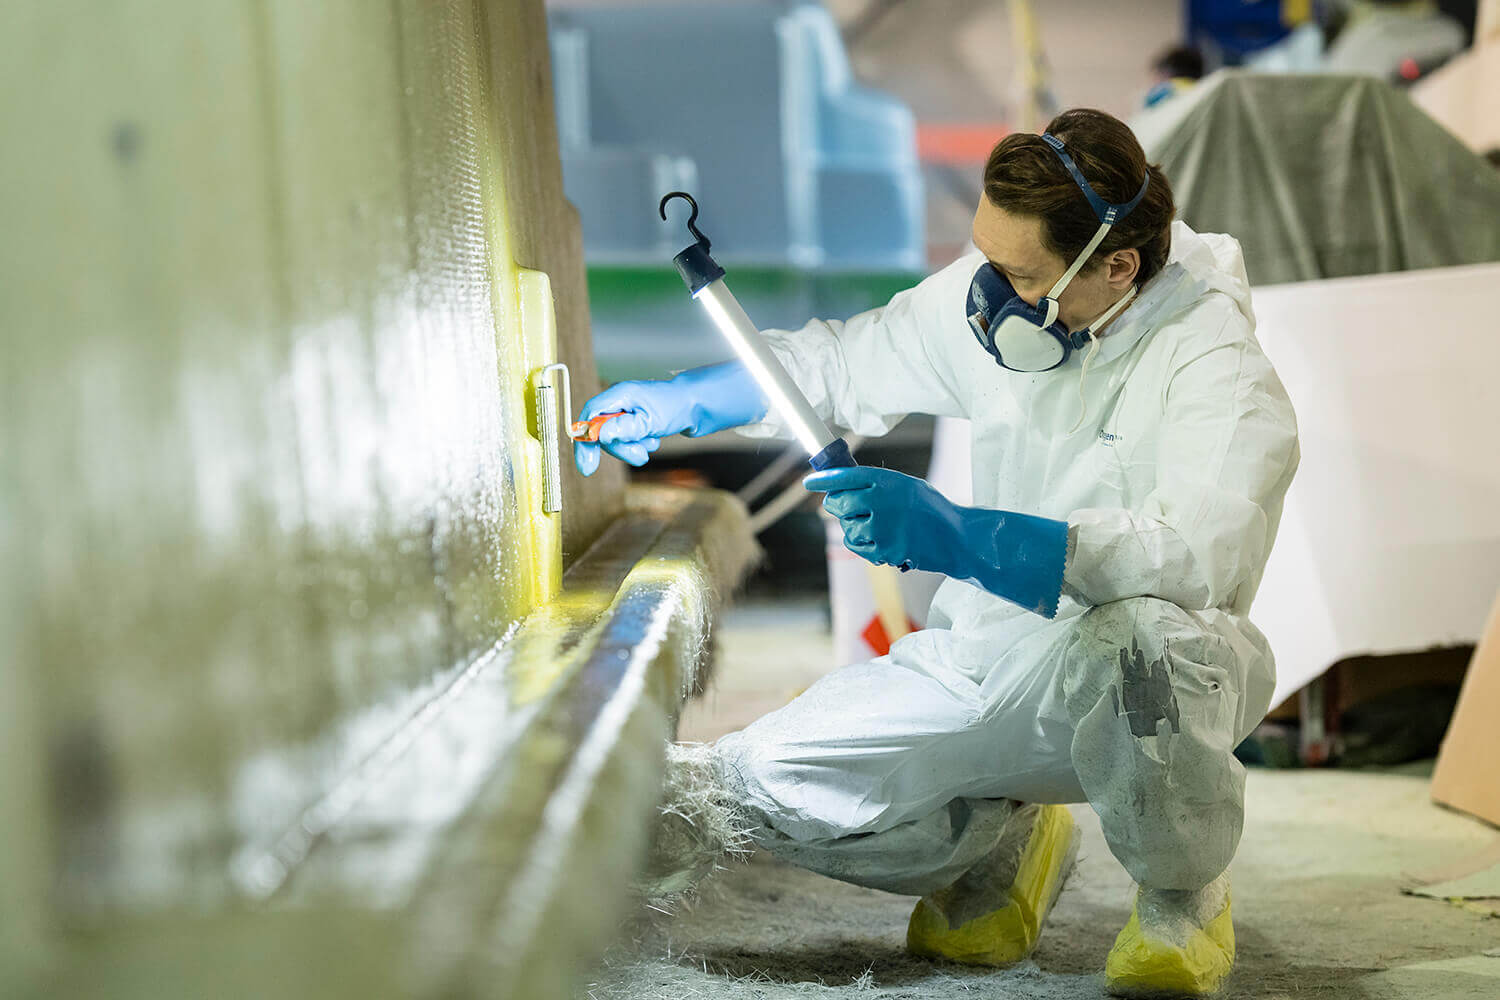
x,y
588,430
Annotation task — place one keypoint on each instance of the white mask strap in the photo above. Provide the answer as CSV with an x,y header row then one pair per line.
x,y
1104,317
1079,261
1109,313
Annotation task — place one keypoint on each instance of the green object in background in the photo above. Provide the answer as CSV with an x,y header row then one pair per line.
x,y
646,327
624,287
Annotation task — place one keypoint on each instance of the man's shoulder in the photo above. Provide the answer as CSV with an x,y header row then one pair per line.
x,y
1204,293
1210,321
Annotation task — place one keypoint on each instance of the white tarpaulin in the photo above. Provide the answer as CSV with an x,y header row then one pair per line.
x,y
1390,540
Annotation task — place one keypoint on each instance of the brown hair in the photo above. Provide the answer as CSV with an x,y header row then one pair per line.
x,y
1025,176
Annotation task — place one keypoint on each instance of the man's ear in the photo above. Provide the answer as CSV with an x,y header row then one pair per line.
x,y
1124,265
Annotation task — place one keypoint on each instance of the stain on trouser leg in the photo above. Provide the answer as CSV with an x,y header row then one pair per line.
x,y
1153,704
1145,693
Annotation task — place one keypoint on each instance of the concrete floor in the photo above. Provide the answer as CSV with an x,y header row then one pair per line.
x,y
1317,901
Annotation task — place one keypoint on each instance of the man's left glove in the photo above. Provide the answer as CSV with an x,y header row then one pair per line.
x,y
889,517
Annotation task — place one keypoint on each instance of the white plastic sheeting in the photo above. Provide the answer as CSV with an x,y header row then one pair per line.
x,y
1390,538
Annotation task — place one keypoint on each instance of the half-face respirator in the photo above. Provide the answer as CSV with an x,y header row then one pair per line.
x,y
1030,338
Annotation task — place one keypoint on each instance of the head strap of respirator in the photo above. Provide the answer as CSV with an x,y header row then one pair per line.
x,y
1029,338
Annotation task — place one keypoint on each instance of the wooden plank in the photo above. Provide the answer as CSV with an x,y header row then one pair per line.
x,y
1465,777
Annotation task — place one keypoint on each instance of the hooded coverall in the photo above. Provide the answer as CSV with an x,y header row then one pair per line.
x,y
892,773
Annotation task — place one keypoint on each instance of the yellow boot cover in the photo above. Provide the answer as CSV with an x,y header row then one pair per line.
x,y
1174,960
988,918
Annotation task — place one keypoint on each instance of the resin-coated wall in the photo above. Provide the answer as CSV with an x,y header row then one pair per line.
x,y
267,464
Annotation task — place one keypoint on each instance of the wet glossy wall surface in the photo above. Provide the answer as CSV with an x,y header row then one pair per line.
x,y
264,454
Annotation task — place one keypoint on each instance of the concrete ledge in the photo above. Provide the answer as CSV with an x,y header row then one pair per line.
x,y
555,835
484,850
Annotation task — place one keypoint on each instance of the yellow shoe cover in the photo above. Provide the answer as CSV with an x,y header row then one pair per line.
x,y
993,915
1175,949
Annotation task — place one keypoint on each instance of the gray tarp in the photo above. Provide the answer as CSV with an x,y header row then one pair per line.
x,y
1323,176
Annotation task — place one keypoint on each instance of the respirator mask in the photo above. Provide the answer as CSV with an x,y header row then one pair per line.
x,y
1029,338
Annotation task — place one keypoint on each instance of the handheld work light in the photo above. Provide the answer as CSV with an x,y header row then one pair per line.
x,y
705,281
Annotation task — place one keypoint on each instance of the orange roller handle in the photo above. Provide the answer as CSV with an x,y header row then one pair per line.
x,y
588,430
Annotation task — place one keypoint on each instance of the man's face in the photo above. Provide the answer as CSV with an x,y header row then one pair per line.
x,y
1013,244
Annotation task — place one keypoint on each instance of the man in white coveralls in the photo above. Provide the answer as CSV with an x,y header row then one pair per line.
x,y
1131,450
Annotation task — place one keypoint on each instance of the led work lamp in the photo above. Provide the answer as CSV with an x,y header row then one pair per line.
x,y
705,281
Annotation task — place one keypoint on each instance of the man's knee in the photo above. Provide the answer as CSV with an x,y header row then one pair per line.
x,y
1149,687
1153,653
1149,624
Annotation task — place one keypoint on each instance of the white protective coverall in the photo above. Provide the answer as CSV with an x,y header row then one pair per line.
x,y
892,772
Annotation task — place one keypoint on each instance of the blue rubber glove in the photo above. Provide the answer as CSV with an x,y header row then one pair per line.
x,y
696,402
893,518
